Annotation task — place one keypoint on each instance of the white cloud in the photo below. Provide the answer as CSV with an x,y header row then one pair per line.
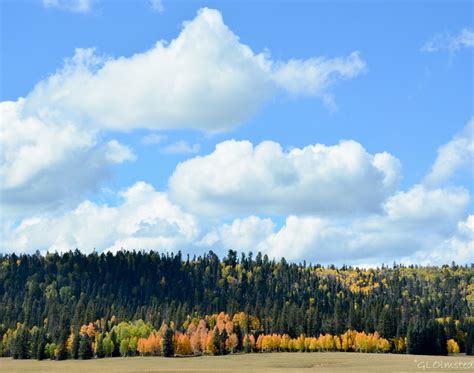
x,y
205,79
46,164
244,234
118,153
76,6
432,209
412,224
145,219
157,6
238,178
313,76
181,147
301,237
448,42
459,247
453,156
416,226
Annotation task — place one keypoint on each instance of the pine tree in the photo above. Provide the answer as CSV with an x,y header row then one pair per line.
x,y
469,344
451,332
441,340
413,338
168,346
216,342
222,343
40,352
387,327
63,336
61,352
85,348
238,332
75,345
22,344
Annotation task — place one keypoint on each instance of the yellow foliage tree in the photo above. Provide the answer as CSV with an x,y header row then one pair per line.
x,y
453,347
183,345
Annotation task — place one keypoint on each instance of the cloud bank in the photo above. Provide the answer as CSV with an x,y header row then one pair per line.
x,y
423,224
416,226
144,219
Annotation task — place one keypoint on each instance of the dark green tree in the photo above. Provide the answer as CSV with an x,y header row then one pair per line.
x,y
41,345
75,345
85,348
168,346
22,344
222,340
469,344
216,342
440,340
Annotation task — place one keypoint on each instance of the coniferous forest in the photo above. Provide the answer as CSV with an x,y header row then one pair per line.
x,y
74,305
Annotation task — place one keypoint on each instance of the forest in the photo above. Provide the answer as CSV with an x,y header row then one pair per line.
x,y
73,305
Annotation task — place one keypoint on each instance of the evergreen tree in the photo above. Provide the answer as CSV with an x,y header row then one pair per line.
x,y
413,338
75,345
451,329
426,338
387,326
440,340
40,352
22,344
216,342
34,339
168,346
222,342
238,333
85,348
61,353
469,344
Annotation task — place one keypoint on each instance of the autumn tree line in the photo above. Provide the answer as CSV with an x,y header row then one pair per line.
x,y
217,334
72,305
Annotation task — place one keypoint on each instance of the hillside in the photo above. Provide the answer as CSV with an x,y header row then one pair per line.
x,y
58,294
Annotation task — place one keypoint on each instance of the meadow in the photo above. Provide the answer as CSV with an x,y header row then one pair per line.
x,y
264,362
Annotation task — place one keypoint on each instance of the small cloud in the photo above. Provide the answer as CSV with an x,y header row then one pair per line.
x,y
76,6
153,138
118,153
447,42
157,6
181,147
454,156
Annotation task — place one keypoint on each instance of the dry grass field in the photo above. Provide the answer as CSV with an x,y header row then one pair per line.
x,y
271,362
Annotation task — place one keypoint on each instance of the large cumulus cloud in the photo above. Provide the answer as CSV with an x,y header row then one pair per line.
x,y
239,178
204,79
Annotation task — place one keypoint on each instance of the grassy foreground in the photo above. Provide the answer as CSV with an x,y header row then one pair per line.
x,y
270,362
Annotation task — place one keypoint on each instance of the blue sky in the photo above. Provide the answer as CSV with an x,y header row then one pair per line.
x,y
413,95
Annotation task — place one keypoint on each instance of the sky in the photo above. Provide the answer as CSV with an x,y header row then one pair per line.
x,y
334,132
